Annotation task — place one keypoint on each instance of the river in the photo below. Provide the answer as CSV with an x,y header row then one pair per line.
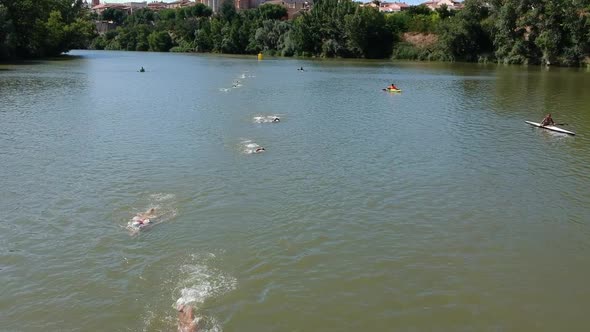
x,y
434,209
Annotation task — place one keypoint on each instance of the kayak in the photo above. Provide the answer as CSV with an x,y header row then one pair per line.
x,y
553,128
392,90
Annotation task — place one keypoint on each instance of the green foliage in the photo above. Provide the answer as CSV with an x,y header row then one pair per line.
x,y
419,10
444,12
184,47
541,31
160,41
423,23
31,28
398,22
271,36
118,16
322,31
227,10
272,12
200,10
466,36
367,34
506,31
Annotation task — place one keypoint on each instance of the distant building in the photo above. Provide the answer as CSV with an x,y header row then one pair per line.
x,y
387,7
103,27
129,7
435,4
392,7
104,6
294,7
213,4
157,5
95,3
243,4
180,4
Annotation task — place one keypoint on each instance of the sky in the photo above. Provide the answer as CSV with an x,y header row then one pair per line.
x,y
409,2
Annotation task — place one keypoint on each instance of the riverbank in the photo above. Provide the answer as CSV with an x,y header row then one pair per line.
x,y
479,32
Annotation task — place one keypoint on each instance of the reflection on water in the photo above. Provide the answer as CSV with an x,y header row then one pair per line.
x,y
434,209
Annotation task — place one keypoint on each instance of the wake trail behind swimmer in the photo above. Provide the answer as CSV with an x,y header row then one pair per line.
x,y
144,219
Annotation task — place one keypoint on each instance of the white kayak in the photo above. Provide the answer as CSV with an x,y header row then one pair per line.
x,y
553,128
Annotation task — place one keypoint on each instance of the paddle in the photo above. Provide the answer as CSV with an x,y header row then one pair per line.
x,y
562,124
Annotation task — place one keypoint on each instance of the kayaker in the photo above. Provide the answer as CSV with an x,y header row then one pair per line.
x,y
547,121
142,70
392,87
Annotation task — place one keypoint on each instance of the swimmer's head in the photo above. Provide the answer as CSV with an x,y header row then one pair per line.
x,y
152,210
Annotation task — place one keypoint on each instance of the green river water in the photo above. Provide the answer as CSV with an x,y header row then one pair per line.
x,y
435,209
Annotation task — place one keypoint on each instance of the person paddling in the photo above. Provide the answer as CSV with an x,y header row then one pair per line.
x,y
142,70
392,87
547,121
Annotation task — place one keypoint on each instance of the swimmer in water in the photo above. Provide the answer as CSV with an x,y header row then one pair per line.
x,y
276,119
259,150
144,218
186,319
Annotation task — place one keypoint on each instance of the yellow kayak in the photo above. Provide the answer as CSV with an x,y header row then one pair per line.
x,y
392,90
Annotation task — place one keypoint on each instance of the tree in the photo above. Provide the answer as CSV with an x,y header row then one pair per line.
x,y
31,28
322,30
419,10
271,36
367,33
159,41
6,33
118,16
272,12
200,10
227,10
464,37
444,11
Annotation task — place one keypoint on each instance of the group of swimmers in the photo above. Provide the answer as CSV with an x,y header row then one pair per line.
x,y
261,149
186,316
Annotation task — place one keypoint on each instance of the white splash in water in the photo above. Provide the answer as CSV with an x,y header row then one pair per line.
x,y
199,282
266,119
163,203
249,147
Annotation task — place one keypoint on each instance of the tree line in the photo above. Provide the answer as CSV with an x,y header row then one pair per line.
x,y
503,31
42,28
